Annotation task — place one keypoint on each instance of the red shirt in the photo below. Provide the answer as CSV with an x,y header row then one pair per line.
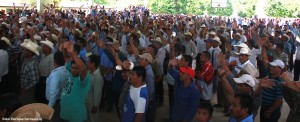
x,y
207,72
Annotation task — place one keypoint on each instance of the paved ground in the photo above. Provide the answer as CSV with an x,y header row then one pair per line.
x,y
162,113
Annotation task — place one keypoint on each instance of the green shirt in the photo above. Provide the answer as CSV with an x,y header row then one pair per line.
x,y
73,98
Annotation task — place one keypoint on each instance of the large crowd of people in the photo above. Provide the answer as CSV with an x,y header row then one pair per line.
x,y
78,62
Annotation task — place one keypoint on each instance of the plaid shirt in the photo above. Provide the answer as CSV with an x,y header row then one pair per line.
x,y
29,75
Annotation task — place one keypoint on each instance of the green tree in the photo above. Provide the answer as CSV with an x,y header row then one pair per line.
x,y
278,9
245,8
220,11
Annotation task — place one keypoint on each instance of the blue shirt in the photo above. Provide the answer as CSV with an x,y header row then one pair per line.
x,y
55,83
136,102
73,98
269,95
150,81
107,62
82,54
247,119
186,99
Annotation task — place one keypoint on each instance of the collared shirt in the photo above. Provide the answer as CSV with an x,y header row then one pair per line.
x,y
94,95
190,48
55,83
255,52
46,65
150,81
201,45
3,63
247,119
161,54
82,54
29,74
214,59
132,58
185,99
157,69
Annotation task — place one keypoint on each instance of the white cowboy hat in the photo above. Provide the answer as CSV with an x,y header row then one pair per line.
x,y
30,110
6,41
244,51
48,43
54,37
217,39
157,40
37,37
242,45
28,44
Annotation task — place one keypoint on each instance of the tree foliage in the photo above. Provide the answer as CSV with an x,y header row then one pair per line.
x,y
279,8
245,8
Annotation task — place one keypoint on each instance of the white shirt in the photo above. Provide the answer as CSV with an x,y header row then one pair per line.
x,y
243,39
3,63
242,65
255,52
46,65
201,45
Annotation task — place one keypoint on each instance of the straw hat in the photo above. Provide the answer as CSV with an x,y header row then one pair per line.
x,y
48,43
37,37
54,37
6,41
244,51
30,110
28,44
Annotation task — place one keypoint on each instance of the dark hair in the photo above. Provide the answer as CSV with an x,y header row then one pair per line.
x,y
3,45
207,106
246,101
189,59
206,53
59,58
77,48
87,25
140,71
81,41
94,59
178,48
154,48
10,102
280,46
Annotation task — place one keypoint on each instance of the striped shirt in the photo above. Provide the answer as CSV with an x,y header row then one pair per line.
x,y
29,74
269,95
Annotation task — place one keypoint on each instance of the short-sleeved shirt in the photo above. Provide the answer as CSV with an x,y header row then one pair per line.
x,y
136,102
283,57
269,95
73,98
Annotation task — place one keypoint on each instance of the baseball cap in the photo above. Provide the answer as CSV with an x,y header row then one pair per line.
x,y
146,56
278,63
246,79
187,70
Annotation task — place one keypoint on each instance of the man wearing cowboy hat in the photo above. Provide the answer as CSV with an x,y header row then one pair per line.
x,y
29,75
190,47
46,65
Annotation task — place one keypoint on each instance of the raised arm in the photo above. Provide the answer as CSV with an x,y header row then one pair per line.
x,y
70,48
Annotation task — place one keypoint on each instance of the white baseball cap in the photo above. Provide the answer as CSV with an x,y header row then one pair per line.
x,y
246,79
278,62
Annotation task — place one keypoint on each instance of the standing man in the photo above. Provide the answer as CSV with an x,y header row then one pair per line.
x,y
29,75
46,65
190,47
137,98
95,93
76,89
55,83
186,98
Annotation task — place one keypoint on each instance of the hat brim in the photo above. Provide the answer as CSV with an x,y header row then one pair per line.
x,y
46,43
249,54
29,48
44,110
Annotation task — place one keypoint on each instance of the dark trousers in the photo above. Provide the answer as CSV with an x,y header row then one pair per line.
x,y
150,115
296,70
291,62
215,81
274,116
40,92
159,88
106,92
171,99
10,82
56,115
113,100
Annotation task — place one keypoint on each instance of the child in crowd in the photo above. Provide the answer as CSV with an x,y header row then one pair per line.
x,y
204,112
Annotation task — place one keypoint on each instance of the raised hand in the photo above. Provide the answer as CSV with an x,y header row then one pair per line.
x,y
69,46
267,83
